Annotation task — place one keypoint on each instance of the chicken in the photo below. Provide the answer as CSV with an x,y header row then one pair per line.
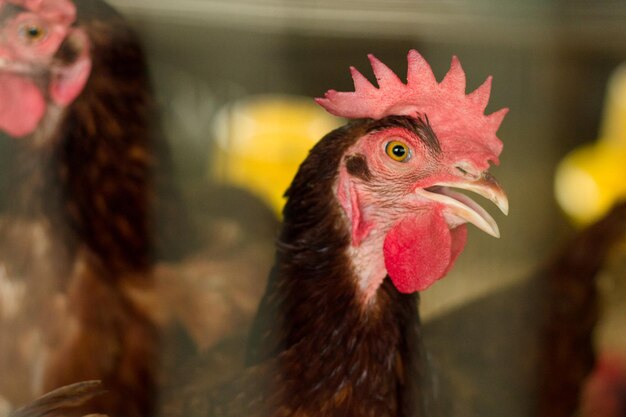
x,y
371,219
572,313
101,266
604,393
77,237
214,292
527,350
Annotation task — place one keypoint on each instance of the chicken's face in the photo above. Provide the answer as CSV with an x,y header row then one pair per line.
x,y
44,61
396,187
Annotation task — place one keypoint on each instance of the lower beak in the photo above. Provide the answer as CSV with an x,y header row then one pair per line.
x,y
463,208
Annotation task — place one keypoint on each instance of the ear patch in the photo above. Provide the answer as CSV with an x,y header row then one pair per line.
x,y
357,167
348,197
69,81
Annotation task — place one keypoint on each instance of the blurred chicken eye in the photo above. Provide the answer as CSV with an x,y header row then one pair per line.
x,y
32,32
398,151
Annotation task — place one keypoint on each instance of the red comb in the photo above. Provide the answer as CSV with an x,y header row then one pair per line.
x,y
61,11
455,116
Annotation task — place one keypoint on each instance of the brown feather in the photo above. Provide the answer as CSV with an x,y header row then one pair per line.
x,y
573,312
62,401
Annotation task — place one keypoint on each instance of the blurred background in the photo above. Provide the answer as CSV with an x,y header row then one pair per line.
x,y
235,82
551,62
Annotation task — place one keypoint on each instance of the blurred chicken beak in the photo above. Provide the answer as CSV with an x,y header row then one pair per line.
x,y
464,208
9,65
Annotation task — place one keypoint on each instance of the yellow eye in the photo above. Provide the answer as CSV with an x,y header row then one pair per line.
x,y
398,151
32,32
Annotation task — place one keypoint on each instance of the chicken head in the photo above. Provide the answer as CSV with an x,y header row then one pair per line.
x,y
396,183
44,61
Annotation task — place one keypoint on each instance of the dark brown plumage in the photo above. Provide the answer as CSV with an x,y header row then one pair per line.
x,y
61,402
315,350
573,312
377,353
113,151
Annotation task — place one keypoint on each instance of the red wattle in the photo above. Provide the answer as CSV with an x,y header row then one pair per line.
x,y
459,237
21,105
420,249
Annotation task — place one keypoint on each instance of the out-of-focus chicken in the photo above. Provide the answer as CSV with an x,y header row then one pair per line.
x,y
528,349
215,291
371,219
604,393
94,243
78,237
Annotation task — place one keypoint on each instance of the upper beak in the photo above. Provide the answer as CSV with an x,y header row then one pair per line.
x,y
462,207
8,63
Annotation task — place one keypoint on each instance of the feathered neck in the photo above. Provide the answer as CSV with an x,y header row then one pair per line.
x,y
359,357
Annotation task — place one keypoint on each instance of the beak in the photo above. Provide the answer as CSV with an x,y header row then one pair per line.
x,y
5,61
463,209
8,63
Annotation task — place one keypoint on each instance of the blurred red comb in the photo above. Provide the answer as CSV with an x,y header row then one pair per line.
x,y
61,11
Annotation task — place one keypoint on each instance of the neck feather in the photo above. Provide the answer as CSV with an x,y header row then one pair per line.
x,y
313,308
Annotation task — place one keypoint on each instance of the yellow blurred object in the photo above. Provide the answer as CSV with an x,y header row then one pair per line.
x,y
592,178
613,127
261,141
589,181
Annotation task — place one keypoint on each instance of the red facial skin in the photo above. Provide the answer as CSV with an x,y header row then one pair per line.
x,y
419,238
468,144
29,41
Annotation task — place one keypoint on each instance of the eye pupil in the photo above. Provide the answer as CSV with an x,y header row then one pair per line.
x,y
33,31
399,151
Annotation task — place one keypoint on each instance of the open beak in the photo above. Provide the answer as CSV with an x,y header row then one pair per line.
x,y
464,208
8,65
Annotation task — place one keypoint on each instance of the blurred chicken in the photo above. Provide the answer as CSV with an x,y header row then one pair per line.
x,y
96,249
77,236
604,393
371,219
63,401
215,290
527,350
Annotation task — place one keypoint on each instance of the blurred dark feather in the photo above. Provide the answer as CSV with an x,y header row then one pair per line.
x,y
62,401
526,350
